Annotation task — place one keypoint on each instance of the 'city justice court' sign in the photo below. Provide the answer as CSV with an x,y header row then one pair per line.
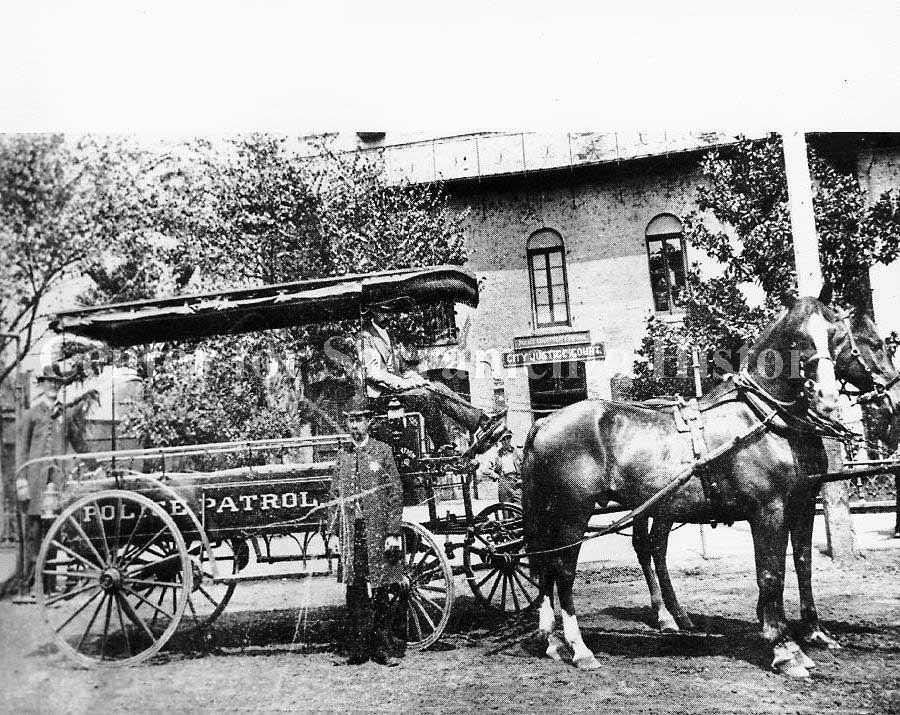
x,y
593,351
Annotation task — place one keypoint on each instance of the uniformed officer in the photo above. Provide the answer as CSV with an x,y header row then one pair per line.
x,y
369,496
507,467
46,429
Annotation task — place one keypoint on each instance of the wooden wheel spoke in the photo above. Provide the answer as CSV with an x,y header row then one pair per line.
x,y
118,529
433,589
79,610
81,575
154,607
503,578
78,557
105,628
424,599
494,587
132,614
153,564
524,574
103,534
411,611
147,596
122,624
421,609
134,529
512,590
127,559
190,603
164,584
90,622
158,607
70,594
84,536
208,597
483,581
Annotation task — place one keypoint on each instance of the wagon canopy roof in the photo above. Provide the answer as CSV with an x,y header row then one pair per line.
x,y
245,310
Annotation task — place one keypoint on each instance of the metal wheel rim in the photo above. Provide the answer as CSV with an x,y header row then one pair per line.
x,y
418,605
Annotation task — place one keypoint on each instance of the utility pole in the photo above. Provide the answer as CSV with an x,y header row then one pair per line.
x,y
835,495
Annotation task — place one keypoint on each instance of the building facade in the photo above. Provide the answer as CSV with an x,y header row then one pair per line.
x,y
576,240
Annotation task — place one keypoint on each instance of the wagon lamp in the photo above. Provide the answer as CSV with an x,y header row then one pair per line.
x,y
50,502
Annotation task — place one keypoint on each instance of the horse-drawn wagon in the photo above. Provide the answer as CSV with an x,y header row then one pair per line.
x,y
139,544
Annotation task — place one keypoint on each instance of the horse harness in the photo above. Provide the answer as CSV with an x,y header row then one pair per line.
x,y
688,419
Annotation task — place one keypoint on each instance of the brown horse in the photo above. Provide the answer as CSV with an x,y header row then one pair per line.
x,y
861,358
597,451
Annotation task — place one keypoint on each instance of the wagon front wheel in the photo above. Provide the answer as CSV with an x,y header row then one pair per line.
x,y
105,593
496,569
422,604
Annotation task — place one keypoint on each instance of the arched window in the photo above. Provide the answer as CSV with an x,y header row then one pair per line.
x,y
547,270
667,258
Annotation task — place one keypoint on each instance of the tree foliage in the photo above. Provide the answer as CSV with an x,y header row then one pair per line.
x,y
254,211
743,221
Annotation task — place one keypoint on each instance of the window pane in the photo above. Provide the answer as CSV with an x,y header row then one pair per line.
x,y
658,270
540,275
555,259
561,313
542,296
556,276
543,315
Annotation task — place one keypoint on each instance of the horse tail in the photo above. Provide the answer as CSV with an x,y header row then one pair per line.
x,y
537,519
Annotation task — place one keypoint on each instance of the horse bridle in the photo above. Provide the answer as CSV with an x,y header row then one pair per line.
x,y
881,390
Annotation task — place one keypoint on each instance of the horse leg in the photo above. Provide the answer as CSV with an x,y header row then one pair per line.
x,y
554,646
770,548
582,656
659,538
801,542
640,541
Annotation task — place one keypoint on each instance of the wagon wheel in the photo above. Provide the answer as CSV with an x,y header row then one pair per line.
x,y
497,576
207,600
426,594
105,597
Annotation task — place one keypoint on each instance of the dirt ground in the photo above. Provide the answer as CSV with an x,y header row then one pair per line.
x,y
271,651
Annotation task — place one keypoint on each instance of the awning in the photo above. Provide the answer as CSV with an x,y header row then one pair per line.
x,y
192,317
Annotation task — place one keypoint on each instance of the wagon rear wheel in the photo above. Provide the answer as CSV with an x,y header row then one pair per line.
x,y
426,596
497,573
106,595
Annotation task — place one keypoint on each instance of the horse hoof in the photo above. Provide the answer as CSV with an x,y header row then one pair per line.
x,y
792,669
558,650
821,639
668,625
587,662
800,658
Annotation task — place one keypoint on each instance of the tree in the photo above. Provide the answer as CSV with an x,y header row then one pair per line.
x,y
253,211
746,191
742,220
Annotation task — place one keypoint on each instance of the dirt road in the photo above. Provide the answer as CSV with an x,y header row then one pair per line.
x,y
281,659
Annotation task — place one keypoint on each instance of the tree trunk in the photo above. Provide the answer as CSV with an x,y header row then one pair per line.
x,y
836,502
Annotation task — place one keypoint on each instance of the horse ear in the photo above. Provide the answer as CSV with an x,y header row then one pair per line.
x,y
826,294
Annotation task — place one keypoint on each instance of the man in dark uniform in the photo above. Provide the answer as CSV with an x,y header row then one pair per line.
x,y
369,496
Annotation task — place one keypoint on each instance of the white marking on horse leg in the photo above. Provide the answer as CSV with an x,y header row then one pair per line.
x,y
546,616
664,619
583,657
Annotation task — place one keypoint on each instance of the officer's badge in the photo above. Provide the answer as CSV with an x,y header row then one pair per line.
x,y
375,466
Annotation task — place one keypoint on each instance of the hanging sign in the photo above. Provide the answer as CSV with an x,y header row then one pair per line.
x,y
594,351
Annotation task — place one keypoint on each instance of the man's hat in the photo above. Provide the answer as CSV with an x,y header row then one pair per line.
x,y
506,435
358,405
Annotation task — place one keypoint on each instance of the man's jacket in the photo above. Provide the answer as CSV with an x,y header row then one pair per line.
x,y
379,360
367,485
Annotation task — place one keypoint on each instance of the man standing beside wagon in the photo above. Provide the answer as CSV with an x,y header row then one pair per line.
x,y
368,508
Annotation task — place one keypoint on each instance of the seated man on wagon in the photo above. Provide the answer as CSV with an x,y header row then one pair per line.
x,y
380,361
368,509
